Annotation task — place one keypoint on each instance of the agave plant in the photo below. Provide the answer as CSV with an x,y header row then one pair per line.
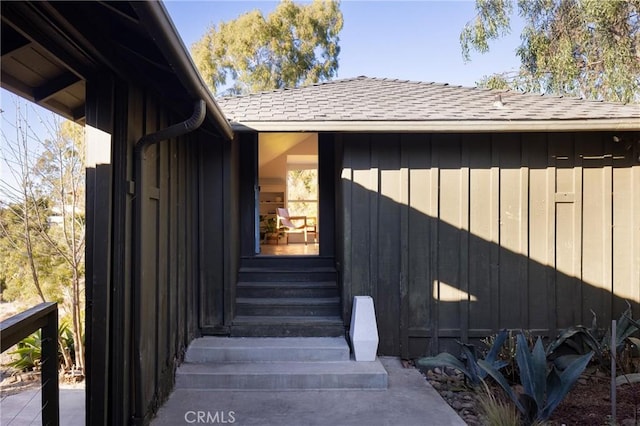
x,y
544,388
626,326
470,367
579,340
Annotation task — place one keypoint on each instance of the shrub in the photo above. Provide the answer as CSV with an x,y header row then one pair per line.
x,y
29,350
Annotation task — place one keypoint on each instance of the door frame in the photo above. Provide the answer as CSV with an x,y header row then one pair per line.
x,y
248,187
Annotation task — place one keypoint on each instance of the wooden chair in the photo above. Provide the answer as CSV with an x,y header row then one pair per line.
x,y
294,224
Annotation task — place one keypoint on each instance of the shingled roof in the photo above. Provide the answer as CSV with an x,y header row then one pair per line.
x,y
373,104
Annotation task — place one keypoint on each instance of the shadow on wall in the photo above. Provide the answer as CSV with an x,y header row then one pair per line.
x,y
456,241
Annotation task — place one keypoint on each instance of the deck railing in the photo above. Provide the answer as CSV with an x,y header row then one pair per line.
x,y
43,316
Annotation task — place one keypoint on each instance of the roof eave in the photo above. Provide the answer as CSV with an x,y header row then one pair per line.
x,y
441,126
155,18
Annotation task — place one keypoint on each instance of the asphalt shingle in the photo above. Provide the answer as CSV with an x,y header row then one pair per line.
x,y
375,99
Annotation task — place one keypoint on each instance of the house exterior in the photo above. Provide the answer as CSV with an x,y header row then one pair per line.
x,y
459,210
462,211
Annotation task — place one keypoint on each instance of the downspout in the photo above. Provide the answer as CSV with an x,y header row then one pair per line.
x,y
179,129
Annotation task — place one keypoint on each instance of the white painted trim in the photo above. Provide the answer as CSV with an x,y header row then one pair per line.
x,y
441,126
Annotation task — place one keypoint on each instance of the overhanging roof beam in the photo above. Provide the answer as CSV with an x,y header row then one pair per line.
x,y
16,86
12,41
26,16
79,114
57,84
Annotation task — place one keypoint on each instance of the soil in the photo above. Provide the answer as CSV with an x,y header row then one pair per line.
x,y
587,404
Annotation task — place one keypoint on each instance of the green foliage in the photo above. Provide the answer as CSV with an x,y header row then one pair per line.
x,y
491,22
495,411
579,340
15,269
28,353
585,48
470,367
294,45
543,388
495,81
302,192
42,222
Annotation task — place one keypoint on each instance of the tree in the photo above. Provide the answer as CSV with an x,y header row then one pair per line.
x,y
42,215
18,222
294,45
585,48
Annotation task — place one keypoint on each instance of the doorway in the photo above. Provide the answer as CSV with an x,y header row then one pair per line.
x,y
288,197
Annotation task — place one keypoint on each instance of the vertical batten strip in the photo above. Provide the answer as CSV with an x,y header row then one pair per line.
x,y
578,226
551,234
494,197
464,295
405,202
523,244
434,213
607,225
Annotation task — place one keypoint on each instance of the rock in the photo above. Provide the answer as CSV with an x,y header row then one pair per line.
x,y
457,405
437,370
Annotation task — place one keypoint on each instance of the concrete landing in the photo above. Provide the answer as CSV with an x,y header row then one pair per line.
x,y
285,363
240,349
409,401
283,375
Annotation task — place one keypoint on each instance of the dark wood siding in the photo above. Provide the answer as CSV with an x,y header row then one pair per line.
x,y
157,274
458,235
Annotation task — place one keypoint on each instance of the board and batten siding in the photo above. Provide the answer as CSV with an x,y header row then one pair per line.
x,y
456,236
154,276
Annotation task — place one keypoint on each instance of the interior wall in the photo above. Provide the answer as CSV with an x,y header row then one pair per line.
x,y
274,148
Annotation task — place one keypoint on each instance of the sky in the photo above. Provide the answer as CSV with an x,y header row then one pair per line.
x,y
409,40
412,40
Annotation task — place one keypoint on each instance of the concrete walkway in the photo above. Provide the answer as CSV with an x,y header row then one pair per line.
x,y
408,401
24,408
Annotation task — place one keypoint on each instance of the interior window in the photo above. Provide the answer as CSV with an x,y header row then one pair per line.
x,y
302,191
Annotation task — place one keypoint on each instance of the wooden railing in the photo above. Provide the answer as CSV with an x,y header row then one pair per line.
x,y
43,316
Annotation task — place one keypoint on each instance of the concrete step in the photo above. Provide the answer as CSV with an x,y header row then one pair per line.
x,y
267,349
286,274
291,262
287,326
277,306
270,289
283,375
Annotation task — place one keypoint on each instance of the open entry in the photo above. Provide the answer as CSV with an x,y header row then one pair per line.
x,y
288,207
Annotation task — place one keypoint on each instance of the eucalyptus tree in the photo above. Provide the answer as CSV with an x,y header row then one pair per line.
x,y
585,48
296,44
